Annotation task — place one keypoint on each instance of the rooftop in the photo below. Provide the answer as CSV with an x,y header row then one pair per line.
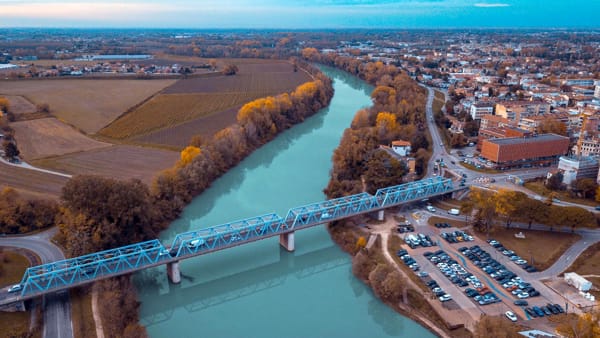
x,y
535,139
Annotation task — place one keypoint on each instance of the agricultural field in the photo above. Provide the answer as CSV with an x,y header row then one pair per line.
x,y
31,183
170,110
20,105
203,105
49,137
180,135
119,162
89,105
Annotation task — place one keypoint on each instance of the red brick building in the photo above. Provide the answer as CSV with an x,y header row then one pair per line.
x,y
541,150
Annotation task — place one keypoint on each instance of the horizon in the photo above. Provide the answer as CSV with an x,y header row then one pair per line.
x,y
301,15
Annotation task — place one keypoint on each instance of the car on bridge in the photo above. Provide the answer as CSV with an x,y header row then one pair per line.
x,y
195,243
15,288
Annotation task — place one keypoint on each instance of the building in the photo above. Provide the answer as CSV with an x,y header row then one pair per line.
x,y
401,147
516,110
597,92
574,168
590,147
517,152
479,109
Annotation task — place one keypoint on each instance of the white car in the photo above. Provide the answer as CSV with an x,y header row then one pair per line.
x,y
15,288
510,315
445,298
325,215
195,243
520,262
430,208
523,295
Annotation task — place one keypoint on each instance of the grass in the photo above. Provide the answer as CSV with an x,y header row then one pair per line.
x,y
168,110
588,263
438,101
84,325
539,188
481,170
545,247
88,105
11,271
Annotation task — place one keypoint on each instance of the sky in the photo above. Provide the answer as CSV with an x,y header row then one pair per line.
x,y
301,14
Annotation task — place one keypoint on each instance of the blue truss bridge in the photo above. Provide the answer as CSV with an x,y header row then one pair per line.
x,y
64,274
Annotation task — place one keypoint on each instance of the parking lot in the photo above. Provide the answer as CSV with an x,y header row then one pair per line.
x,y
477,287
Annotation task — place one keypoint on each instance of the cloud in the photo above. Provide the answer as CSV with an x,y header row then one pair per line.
x,y
484,5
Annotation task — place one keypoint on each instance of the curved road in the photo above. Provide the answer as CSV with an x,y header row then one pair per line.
x,y
56,307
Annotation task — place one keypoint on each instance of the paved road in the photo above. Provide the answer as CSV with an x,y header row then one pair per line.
x,y
25,165
56,307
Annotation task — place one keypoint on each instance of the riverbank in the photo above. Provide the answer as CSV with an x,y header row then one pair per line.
x,y
367,264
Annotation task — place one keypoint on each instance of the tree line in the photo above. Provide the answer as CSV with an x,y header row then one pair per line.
x,y
509,206
397,112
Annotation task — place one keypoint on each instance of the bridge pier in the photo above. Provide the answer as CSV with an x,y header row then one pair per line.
x,y
174,272
287,241
380,215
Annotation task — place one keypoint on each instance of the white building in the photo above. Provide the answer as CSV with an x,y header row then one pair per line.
x,y
401,148
574,168
479,109
597,92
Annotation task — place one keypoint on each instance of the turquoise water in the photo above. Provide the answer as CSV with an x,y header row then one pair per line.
x,y
260,290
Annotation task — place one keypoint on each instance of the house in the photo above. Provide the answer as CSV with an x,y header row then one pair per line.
x,y
401,147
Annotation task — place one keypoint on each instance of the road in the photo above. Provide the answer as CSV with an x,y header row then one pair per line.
x,y
30,167
56,307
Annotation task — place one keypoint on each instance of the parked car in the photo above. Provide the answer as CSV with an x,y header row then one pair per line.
x,y
521,302
510,315
445,298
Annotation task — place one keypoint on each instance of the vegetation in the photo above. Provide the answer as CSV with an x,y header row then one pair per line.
x,y
582,191
497,327
81,312
20,215
586,325
514,205
14,324
398,112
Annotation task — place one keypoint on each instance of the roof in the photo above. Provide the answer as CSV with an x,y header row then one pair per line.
x,y
401,143
528,140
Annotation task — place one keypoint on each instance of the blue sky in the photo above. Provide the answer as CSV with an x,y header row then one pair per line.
x,y
301,13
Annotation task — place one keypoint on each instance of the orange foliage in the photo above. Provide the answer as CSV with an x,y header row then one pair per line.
x,y
187,155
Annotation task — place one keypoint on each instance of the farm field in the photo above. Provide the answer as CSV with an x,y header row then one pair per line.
x,y
203,105
20,105
180,135
30,182
49,137
166,110
86,104
119,162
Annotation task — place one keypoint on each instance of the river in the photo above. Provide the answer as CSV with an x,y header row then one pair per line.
x,y
259,289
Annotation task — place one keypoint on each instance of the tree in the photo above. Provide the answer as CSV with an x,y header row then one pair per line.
x,y
586,325
506,201
485,204
4,106
587,186
187,155
361,242
213,64
495,326
43,108
555,181
10,149
382,171
230,69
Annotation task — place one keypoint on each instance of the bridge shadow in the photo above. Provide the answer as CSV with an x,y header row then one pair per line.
x,y
159,307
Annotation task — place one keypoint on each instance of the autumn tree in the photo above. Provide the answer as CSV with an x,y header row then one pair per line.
x,y
10,149
387,127
382,171
495,326
586,325
230,69
187,155
506,204
310,53
110,213
4,105
485,205
587,187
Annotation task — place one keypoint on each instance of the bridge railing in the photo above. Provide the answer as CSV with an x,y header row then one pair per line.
x,y
412,191
320,212
192,242
45,277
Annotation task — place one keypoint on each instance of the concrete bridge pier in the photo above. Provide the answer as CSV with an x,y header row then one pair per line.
x,y
287,241
174,272
380,215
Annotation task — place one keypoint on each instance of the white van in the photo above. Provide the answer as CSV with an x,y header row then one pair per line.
x,y
195,243
454,212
